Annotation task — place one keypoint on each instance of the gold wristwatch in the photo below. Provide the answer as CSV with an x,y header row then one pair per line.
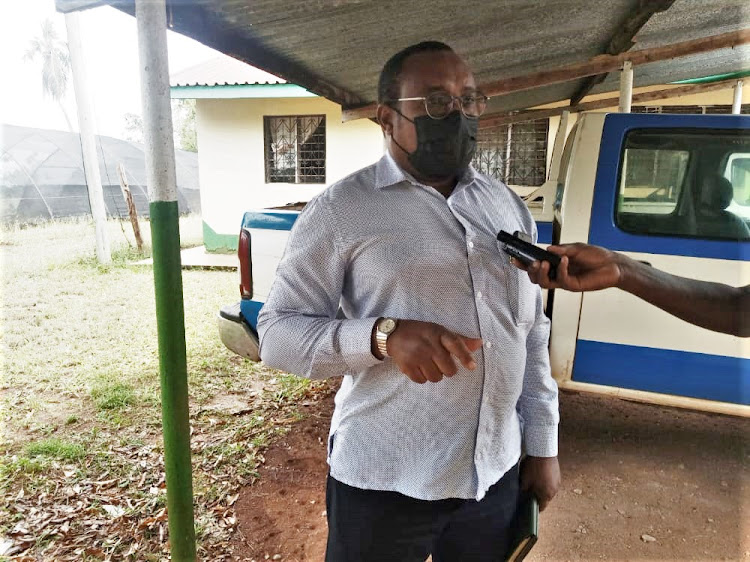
x,y
383,329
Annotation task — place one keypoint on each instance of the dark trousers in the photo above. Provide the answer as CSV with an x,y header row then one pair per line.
x,y
377,526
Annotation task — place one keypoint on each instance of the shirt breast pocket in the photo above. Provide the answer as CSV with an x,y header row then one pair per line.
x,y
521,295
520,292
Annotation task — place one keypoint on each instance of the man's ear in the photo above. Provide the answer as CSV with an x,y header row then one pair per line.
x,y
384,115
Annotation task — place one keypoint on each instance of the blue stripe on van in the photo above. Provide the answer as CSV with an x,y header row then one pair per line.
x,y
270,220
603,230
544,232
697,375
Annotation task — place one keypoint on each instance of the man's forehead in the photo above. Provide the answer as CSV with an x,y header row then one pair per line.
x,y
435,70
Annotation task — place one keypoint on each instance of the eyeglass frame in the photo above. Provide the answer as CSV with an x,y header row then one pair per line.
x,y
453,101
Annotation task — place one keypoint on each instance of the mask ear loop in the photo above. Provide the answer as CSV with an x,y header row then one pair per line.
x,y
402,115
401,147
394,138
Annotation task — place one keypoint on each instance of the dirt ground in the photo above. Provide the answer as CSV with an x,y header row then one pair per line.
x,y
640,482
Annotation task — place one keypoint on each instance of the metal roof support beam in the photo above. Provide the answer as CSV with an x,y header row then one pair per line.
x,y
502,119
737,101
623,40
597,65
608,63
626,87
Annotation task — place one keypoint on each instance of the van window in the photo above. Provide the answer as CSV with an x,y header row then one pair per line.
x,y
651,180
685,183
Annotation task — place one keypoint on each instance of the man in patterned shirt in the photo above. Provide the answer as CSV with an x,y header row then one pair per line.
x,y
442,343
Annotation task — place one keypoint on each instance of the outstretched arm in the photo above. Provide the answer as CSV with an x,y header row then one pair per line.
x,y
713,306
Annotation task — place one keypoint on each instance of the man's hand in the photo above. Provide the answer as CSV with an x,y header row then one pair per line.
x,y
582,268
424,351
541,476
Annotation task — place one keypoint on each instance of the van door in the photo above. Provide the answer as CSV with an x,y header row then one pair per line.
x,y
681,204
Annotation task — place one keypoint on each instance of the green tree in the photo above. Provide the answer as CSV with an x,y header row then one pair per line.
x,y
183,112
55,59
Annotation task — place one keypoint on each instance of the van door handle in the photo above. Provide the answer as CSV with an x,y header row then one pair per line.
x,y
645,263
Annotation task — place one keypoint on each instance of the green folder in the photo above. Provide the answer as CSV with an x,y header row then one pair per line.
x,y
525,528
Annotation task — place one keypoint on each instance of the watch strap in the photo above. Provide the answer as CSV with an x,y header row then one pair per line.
x,y
381,340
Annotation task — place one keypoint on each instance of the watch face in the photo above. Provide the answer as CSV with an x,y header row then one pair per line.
x,y
387,325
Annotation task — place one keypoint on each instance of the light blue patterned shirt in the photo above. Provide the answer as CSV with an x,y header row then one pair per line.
x,y
379,243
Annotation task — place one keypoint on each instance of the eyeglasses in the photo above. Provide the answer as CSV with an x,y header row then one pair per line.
x,y
438,105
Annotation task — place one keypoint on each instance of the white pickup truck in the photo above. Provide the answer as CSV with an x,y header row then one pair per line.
x,y
669,190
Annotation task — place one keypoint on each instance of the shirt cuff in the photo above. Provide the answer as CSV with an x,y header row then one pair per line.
x,y
355,343
540,440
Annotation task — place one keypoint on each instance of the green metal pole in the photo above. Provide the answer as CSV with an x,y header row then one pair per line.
x,y
170,320
165,236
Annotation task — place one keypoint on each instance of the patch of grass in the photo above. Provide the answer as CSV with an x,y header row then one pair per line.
x,y
11,466
46,429
91,374
55,448
290,388
109,395
260,441
129,440
113,418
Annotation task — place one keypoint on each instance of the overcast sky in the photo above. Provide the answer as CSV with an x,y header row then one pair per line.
x,y
111,47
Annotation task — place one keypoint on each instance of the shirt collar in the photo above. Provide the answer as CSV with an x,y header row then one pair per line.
x,y
388,172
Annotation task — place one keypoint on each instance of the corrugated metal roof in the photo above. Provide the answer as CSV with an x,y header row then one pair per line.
x,y
724,61
686,20
222,71
337,48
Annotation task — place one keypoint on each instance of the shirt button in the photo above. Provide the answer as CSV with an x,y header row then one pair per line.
x,y
471,244
479,294
488,345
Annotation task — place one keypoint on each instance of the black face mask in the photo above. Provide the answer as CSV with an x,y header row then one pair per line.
x,y
445,147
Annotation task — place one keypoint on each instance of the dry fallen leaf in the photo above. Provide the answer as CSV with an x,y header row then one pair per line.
x,y
114,511
151,521
6,547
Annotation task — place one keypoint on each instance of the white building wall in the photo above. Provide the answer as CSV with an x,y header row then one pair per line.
x,y
231,155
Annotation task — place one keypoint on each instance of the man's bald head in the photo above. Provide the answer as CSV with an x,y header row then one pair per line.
x,y
389,86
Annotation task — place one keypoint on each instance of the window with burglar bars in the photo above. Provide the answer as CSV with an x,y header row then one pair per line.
x,y
515,153
295,149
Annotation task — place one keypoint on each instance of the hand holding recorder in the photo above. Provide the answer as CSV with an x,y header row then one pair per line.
x,y
714,306
527,253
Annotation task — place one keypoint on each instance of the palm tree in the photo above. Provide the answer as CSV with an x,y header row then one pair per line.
x,y
53,53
